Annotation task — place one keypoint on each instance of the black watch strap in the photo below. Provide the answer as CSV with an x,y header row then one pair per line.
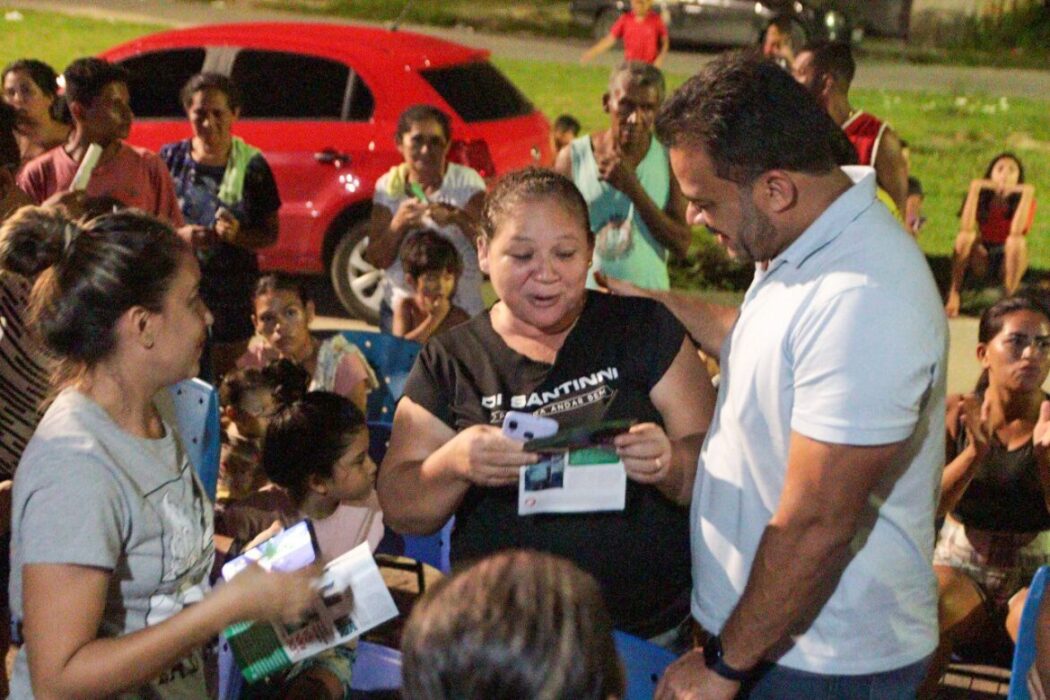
x,y
714,660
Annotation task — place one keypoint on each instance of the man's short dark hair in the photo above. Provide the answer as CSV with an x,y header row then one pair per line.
x,y
429,251
567,122
639,73
10,157
750,116
85,78
211,81
834,58
782,22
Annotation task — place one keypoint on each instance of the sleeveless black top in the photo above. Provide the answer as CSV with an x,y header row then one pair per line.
x,y
1005,494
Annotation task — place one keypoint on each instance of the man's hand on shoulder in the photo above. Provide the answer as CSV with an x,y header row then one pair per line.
x,y
689,678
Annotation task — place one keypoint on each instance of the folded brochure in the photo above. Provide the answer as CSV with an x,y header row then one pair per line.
x,y
578,481
352,599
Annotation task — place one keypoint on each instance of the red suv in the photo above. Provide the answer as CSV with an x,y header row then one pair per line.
x,y
322,102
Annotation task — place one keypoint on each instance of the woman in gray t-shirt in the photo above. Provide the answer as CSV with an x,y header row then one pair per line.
x,y
111,529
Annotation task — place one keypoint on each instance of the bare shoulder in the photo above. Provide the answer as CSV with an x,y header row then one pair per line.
x,y
563,161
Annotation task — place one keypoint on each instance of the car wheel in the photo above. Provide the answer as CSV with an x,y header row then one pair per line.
x,y
357,283
605,22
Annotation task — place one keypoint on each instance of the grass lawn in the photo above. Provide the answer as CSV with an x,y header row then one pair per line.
x,y
540,17
952,136
57,39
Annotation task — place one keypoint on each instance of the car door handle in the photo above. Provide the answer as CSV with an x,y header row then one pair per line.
x,y
331,156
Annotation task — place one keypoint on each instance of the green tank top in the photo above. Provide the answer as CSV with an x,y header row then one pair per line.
x,y
624,247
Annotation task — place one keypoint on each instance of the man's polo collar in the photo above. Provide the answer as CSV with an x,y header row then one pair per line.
x,y
843,211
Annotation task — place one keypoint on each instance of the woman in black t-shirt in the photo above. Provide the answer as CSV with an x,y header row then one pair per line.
x,y
550,347
995,488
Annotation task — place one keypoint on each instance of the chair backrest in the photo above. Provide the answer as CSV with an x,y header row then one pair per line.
x,y
392,359
1024,651
644,662
435,550
376,668
196,408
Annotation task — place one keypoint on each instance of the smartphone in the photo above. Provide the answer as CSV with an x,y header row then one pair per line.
x,y
289,550
594,435
526,426
418,192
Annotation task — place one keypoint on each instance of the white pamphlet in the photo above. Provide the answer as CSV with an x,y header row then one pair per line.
x,y
87,166
580,481
352,599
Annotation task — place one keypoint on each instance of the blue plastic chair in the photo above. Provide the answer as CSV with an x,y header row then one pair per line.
x,y
434,550
378,440
1024,651
197,416
231,682
392,359
645,663
376,668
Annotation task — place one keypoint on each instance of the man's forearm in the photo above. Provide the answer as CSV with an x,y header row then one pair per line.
x,y
708,324
673,234
795,570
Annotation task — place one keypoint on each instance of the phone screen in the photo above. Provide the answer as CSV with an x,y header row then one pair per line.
x,y
289,550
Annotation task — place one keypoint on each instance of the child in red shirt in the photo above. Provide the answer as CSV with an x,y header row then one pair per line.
x,y
643,32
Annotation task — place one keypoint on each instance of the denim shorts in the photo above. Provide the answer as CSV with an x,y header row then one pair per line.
x,y
1000,563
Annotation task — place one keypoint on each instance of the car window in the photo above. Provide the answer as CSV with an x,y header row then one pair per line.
x,y
478,92
362,102
281,85
157,78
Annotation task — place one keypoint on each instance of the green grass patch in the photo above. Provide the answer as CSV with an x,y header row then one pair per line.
x,y
952,135
541,17
58,39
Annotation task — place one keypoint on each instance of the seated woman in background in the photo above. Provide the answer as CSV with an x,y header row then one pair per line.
x,y
229,199
518,624
111,528
575,356
283,312
995,218
425,191
31,87
996,486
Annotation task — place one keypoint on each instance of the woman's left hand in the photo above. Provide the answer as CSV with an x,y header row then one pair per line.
x,y
646,453
227,225
443,214
1041,433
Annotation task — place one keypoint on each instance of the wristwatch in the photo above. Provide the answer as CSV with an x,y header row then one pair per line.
x,y
714,661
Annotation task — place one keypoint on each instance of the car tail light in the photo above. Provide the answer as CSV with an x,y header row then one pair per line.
x,y
475,154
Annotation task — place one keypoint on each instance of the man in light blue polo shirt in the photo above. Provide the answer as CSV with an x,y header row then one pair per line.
x,y
812,513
